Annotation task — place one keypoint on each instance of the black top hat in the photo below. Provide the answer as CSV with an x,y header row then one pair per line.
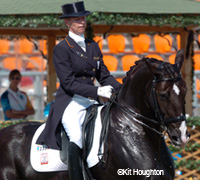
x,y
75,9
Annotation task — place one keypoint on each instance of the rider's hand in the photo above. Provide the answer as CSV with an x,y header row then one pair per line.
x,y
105,91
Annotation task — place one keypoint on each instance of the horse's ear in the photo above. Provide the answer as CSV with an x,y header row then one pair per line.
x,y
153,65
179,58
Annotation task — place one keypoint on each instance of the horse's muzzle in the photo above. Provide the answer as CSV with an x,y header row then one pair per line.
x,y
179,140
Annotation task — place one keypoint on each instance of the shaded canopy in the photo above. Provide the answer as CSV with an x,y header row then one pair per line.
x,y
10,7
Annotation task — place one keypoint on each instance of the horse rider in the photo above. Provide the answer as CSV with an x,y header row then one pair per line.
x,y
78,62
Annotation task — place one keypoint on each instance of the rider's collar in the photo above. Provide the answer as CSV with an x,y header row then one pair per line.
x,y
77,38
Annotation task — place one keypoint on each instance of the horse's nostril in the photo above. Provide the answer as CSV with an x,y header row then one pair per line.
x,y
174,138
188,134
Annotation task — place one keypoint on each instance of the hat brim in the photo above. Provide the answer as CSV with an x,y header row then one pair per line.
x,y
79,14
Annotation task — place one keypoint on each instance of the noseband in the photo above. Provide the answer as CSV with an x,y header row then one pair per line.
x,y
154,103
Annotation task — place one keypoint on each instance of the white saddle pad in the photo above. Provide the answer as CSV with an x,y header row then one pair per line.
x,y
44,159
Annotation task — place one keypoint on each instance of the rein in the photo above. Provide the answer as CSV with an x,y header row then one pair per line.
x,y
103,157
130,112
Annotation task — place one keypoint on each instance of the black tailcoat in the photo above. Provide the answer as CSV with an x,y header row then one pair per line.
x,y
76,70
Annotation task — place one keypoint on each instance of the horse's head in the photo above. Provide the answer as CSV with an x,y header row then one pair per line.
x,y
167,97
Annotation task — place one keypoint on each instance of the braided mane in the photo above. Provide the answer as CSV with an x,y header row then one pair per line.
x,y
134,66
168,68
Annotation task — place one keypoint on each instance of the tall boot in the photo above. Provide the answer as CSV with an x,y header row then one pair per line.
x,y
74,162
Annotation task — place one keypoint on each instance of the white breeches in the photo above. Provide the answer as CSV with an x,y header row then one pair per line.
x,y
73,118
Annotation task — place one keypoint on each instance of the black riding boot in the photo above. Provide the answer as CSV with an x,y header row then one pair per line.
x,y
74,162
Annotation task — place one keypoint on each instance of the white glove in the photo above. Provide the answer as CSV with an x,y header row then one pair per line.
x,y
105,91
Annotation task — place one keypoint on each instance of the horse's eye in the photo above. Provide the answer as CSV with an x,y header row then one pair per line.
x,y
163,97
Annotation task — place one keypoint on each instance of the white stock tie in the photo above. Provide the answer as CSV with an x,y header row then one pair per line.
x,y
81,44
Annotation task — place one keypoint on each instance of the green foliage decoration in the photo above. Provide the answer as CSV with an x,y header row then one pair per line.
x,y
189,164
190,147
34,21
193,121
4,124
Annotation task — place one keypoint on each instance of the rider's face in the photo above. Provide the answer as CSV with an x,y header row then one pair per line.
x,y
76,24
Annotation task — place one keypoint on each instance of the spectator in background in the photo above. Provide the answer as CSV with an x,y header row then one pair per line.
x,y
16,104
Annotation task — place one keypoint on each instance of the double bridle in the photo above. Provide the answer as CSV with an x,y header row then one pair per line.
x,y
154,103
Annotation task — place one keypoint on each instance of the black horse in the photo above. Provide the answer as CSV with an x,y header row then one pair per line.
x,y
151,100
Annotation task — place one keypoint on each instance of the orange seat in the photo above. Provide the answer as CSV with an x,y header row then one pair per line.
x,y
12,63
43,46
154,56
57,85
25,46
172,58
120,80
178,40
163,44
141,43
128,61
198,87
116,43
4,46
111,62
199,37
99,40
36,63
196,58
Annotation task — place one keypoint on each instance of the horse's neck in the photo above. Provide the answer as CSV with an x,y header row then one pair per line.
x,y
125,130
134,94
